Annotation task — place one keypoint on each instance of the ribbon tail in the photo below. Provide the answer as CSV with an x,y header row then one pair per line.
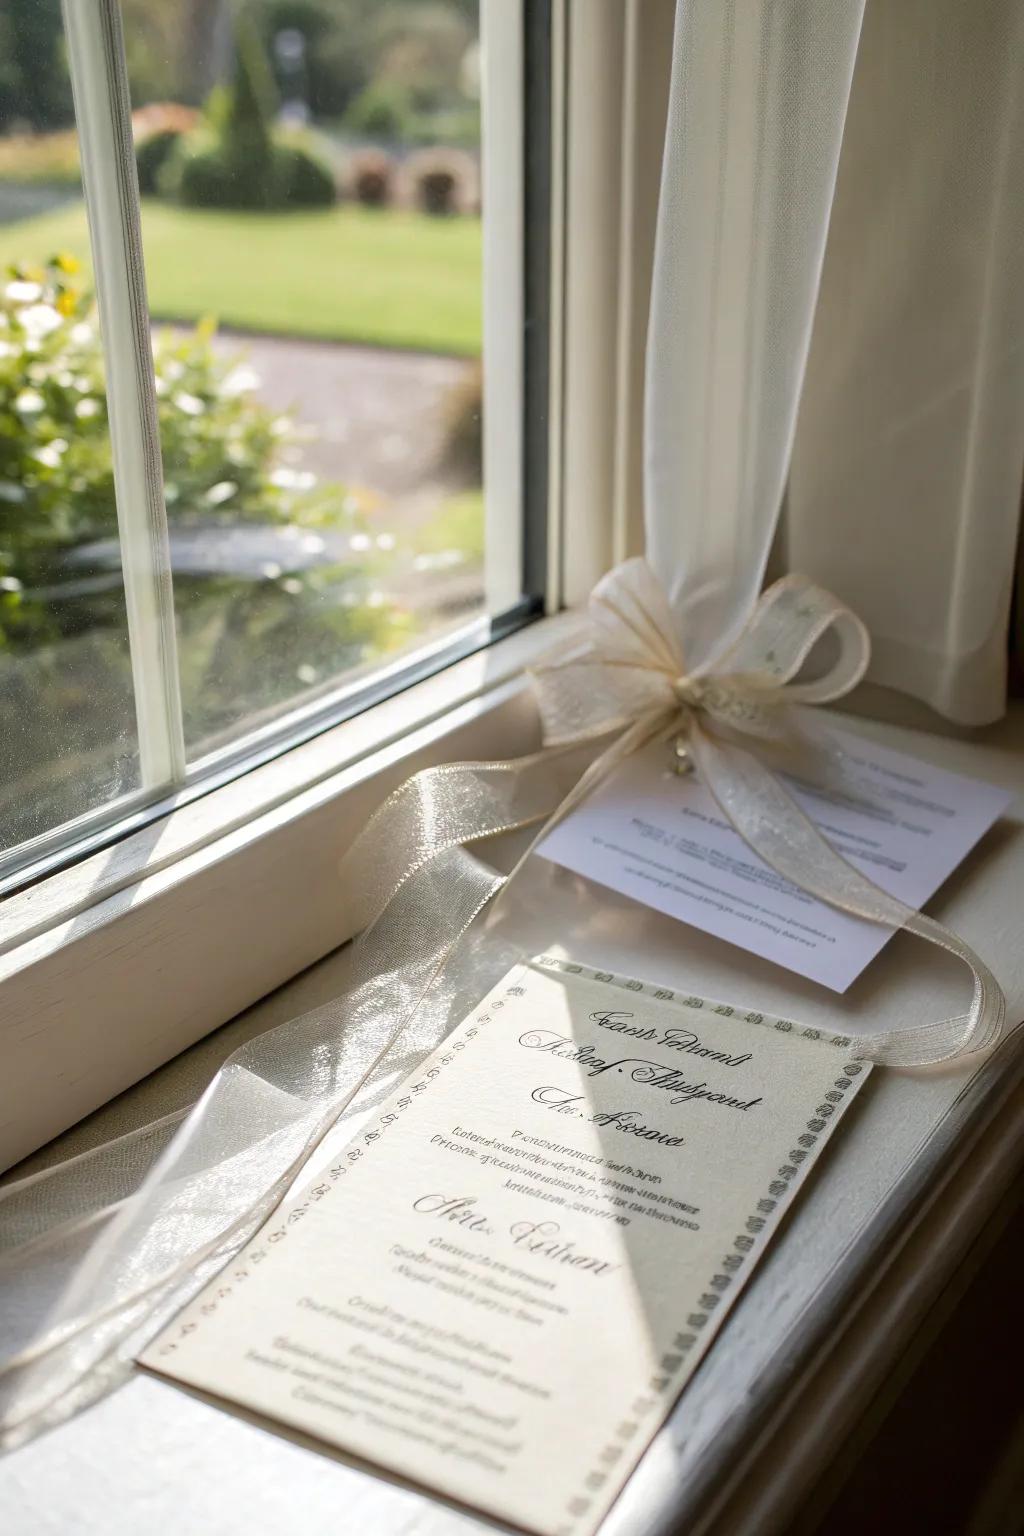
x,y
170,1203
647,729
777,830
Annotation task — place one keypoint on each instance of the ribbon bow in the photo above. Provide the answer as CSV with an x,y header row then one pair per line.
x,y
731,721
632,668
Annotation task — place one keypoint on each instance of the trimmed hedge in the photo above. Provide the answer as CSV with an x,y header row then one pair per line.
x,y
305,180
239,160
204,174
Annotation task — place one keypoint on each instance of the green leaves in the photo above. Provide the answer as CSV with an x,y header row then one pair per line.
x,y
276,574
248,638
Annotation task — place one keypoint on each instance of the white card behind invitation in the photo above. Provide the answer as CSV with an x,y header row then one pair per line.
x,y
499,1288
661,839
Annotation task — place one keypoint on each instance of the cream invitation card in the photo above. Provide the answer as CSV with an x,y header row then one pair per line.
x,y
662,840
503,1282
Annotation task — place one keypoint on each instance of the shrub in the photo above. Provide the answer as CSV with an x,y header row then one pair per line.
x,y
370,177
437,192
198,174
246,643
54,435
236,162
201,174
56,473
245,142
150,154
231,166
303,178
442,180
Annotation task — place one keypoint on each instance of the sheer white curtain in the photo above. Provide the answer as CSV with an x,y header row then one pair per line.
x,y
905,456
755,122
906,478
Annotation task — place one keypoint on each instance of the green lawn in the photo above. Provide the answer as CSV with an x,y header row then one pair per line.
x,y
349,274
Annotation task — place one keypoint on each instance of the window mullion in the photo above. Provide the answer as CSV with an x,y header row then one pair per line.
x,y
501,31
595,43
102,106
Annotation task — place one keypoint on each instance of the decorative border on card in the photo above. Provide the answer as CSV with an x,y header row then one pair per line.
x,y
665,1384
689,1000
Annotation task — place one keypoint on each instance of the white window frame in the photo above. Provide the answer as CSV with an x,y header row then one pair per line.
x,y
103,108
115,964
102,111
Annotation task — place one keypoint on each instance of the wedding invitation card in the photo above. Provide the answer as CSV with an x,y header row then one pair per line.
x,y
500,1286
661,839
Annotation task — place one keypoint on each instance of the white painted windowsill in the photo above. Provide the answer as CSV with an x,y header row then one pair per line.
x,y
892,1213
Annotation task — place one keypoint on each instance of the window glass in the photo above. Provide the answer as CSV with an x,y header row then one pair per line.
x,y
310,180
310,175
68,741
312,233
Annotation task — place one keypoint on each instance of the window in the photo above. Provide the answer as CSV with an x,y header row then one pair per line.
x,y
237,512
156,857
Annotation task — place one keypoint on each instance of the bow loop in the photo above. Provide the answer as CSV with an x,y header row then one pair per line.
x,y
632,622
786,624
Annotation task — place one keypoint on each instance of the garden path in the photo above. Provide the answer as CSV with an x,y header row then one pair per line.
x,y
378,414
377,425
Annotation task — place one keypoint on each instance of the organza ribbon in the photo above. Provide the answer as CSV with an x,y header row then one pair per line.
x,y
96,1254
731,722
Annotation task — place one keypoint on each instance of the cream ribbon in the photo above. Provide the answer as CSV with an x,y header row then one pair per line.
x,y
96,1253
730,722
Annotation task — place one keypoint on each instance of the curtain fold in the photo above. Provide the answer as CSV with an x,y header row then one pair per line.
x,y
905,490
758,100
